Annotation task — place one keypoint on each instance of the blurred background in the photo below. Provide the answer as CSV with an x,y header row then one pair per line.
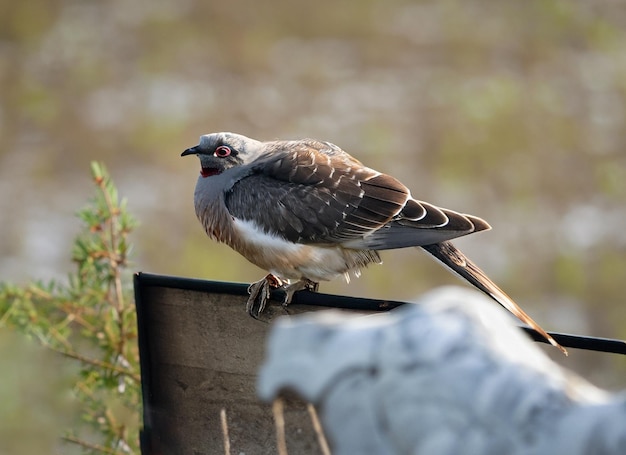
x,y
512,111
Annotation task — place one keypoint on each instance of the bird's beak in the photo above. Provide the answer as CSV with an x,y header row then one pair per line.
x,y
191,151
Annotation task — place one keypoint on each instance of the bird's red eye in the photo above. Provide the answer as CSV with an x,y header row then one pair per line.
x,y
222,151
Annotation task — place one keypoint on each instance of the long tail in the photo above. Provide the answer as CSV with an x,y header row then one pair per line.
x,y
454,259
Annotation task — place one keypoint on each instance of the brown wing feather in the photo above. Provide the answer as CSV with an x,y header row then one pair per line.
x,y
313,192
309,192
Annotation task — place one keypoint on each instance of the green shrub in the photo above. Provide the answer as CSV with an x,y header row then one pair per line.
x,y
91,320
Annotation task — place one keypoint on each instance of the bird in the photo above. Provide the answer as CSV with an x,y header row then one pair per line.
x,y
306,211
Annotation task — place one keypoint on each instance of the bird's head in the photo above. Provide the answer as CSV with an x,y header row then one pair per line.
x,y
221,151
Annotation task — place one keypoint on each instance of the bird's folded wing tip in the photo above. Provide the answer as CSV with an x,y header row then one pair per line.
x,y
479,223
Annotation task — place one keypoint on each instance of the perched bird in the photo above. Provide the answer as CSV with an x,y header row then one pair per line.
x,y
305,210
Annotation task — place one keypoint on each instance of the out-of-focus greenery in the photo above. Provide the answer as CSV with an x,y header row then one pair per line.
x,y
513,111
37,405
91,321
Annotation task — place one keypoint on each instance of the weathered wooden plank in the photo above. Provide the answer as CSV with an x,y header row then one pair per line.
x,y
200,354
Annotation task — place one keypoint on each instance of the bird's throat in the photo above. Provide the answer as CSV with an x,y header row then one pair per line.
x,y
209,171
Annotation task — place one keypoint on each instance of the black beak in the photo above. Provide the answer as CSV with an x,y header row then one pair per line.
x,y
191,151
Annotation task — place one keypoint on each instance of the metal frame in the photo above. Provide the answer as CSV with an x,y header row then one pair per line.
x,y
149,337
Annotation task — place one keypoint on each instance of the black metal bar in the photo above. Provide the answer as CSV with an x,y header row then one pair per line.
x,y
582,342
337,301
143,340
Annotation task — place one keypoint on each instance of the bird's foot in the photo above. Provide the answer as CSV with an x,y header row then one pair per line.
x,y
260,292
291,289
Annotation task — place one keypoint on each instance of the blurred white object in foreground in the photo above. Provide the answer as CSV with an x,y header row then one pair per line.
x,y
452,375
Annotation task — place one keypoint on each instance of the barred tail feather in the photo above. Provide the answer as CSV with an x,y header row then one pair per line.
x,y
456,261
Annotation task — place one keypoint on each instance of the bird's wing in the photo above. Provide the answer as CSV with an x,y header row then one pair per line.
x,y
313,192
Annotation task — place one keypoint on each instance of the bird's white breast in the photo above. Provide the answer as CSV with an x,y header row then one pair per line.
x,y
287,259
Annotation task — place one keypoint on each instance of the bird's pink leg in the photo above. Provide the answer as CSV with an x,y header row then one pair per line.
x,y
292,288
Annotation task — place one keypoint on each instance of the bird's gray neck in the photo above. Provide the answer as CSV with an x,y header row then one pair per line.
x,y
210,206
